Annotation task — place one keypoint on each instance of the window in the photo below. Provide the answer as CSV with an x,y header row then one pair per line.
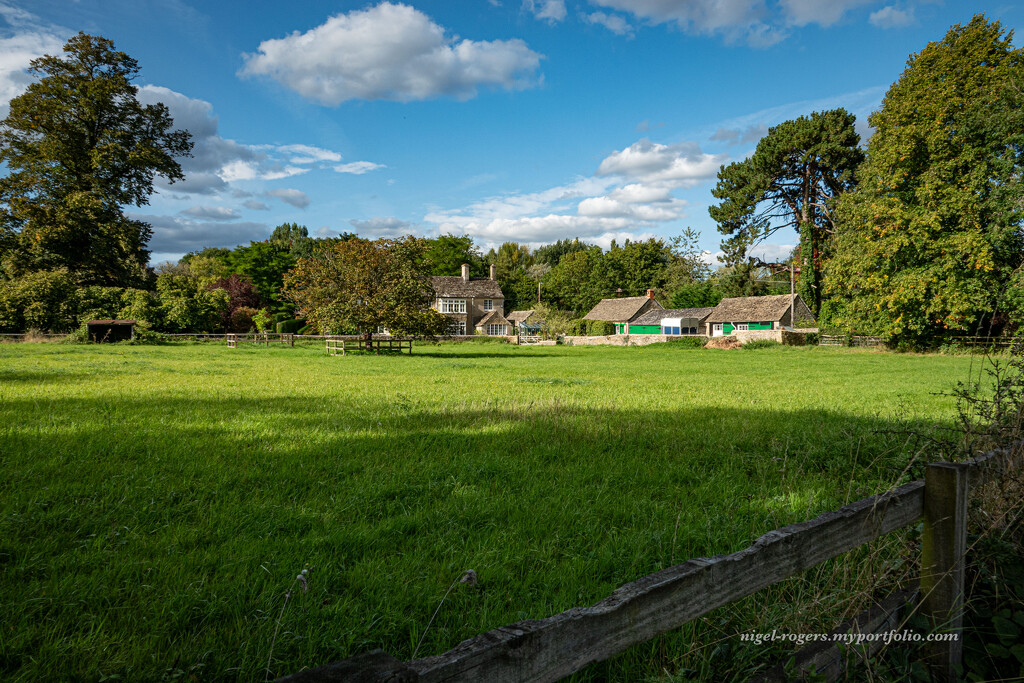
x,y
497,330
457,327
453,306
742,327
718,328
488,304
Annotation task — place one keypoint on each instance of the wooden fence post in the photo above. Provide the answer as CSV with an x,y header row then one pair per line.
x,y
943,546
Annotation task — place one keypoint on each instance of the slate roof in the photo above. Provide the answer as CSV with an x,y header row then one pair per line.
x,y
757,309
492,318
455,286
519,316
655,317
619,310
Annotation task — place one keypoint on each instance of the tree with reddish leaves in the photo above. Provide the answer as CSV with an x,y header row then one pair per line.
x,y
242,294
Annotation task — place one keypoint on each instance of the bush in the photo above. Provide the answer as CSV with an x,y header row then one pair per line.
x,y
761,344
46,300
600,328
290,326
689,342
812,338
241,319
577,328
308,329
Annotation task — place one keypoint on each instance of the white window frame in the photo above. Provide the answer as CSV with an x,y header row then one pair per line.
x,y
497,330
488,304
452,306
457,328
742,327
717,328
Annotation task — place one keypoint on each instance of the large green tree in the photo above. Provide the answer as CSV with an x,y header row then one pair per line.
x,y
791,181
365,284
79,147
932,235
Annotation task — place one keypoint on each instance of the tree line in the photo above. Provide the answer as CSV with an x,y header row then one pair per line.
x,y
914,237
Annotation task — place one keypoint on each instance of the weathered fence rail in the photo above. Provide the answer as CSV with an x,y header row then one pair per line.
x,y
843,340
552,648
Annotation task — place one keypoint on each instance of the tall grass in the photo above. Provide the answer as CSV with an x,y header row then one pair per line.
x,y
155,500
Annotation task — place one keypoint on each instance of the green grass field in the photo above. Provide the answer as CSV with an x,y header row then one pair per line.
x,y
157,502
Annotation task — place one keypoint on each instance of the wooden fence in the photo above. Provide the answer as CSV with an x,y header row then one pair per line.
x,y
335,345
260,338
552,648
843,340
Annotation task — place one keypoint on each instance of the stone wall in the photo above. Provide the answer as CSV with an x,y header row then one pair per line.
x,y
626,339
787,337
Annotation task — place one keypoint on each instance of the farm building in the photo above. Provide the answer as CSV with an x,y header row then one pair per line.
x,y
671,321
526,322
110,330
755,313
623,311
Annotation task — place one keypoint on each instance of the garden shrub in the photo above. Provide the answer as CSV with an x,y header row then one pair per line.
x,y
812,338
600,328
290,326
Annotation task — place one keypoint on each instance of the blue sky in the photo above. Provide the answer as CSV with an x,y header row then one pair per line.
x,y
521,120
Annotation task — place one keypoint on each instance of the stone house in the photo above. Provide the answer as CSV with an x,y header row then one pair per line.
x,y
744,313
623,311
474,304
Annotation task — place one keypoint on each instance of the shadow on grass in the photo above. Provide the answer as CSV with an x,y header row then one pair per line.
x,y
553,504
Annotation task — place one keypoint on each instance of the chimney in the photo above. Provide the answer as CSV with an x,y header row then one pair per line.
x,y
465,272
494,272
650,294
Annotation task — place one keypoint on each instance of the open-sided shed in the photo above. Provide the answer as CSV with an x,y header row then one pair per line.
x,y
110,330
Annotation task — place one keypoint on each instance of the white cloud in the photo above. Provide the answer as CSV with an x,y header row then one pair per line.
x,y
890,17
381,226
612,22
303,154
254,205
734,20
823,13
358,167
296,198
682,164
551,10
25,38
390,52
213,213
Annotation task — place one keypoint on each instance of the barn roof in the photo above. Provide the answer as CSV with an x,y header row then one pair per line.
x,y
619,310
756,309
656,316
455,286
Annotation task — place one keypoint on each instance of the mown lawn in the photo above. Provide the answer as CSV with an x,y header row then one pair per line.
x,y
157,502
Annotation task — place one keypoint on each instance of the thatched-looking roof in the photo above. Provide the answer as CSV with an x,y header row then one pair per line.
x,y
621,310
758,309
477,287
656,316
